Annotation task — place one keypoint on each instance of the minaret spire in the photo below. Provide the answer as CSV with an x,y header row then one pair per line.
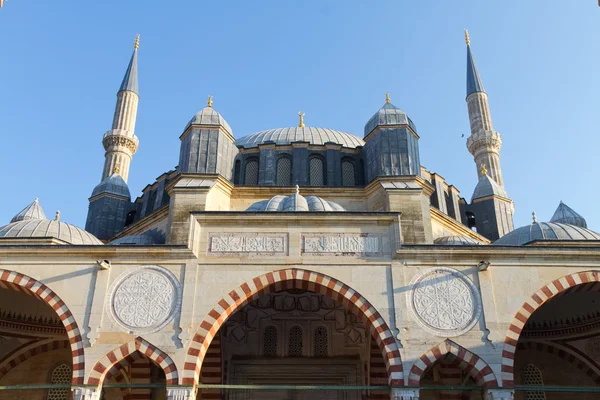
x,y
121,142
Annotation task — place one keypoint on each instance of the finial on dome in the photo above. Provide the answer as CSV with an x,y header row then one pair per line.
x,y
387,97
301,123
36,200
57,217
534,217
136,45
467,38
297,190
209,101
483,169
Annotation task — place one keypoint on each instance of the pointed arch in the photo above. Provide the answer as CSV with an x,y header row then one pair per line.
x,y
124,354
15,281
292,279
28,351
517,324
472,364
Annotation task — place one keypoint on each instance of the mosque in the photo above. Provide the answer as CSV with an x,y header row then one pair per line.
x,y
294,257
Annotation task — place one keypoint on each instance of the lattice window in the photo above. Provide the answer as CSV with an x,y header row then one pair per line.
x,y
348,178
320,342
270,341
61,375
533,376
284,171
316,172
251,173
295,341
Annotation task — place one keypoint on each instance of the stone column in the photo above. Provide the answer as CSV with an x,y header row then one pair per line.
x,y
405,394
86,393
499,394
179,393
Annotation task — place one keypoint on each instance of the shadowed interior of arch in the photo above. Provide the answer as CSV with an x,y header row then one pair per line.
x,y
136,368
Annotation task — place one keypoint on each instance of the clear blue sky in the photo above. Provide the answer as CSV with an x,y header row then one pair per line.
x,y
263,61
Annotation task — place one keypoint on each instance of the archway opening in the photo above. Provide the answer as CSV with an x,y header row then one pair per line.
x,y
136,368
449,370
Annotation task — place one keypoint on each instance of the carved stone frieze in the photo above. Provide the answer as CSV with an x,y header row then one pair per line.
x,y
343,244
254,243
484,140
119,141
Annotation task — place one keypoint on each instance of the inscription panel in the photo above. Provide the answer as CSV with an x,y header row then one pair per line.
x,y
343,244
253,243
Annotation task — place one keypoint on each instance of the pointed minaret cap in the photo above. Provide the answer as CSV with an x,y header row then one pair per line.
x,y
566,215
130,80
32,211
474,83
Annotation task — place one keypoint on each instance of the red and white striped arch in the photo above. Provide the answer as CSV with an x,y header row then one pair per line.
x,y
23,283
292,279
547,292
470,363
29,350
105,365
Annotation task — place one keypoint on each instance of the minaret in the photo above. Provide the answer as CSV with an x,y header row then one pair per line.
x,y
120,142
484,143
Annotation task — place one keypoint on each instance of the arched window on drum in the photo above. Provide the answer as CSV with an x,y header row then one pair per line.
x,y
348,173
316,171
251,172
284,171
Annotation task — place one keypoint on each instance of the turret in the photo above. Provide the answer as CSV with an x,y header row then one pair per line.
x,y
484,143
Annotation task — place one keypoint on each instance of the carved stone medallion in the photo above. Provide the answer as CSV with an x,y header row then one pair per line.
x,y
444,302
145,299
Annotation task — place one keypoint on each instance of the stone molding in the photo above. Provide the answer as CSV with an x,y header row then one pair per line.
x,y
342,244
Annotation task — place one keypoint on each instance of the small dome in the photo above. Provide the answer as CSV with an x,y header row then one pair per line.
x,y
113,184
546,231
32,211
457,241
209,116
38,228
389,114
300,134
295,202
566,215
488,187
146,238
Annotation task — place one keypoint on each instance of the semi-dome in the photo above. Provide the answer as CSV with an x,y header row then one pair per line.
x,y
300,134
546,231
566,215
295,202
389,114
113,184
455,240
32,211
210,117
39,228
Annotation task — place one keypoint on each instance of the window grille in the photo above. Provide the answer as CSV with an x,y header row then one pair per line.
x,y
316,172
533,376
61,375
270,341
320,342
251,173
348,178
284,172
295,342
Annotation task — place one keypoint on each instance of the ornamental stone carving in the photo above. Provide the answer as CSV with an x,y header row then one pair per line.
x,y
444,302
484,141
145,299
344,244
257,243
119,141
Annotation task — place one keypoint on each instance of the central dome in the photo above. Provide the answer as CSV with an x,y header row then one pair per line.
x,y
300,134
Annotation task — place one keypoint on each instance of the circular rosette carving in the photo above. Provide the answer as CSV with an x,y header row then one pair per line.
x,y
444,302
145,299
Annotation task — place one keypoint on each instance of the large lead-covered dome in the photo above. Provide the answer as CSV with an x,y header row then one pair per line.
x,y
300,134
39,228
546,231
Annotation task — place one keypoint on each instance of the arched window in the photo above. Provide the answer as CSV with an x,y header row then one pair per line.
x,y
251,175
320,341
348,173
61,375
316,171
236,172
270,341
295,342
284,171
533,376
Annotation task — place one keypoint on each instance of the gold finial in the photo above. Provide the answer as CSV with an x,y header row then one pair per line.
x,y
137,42
116,169
209,100
483,169
387,97
467,39
297,190
534,217
57,217
301,123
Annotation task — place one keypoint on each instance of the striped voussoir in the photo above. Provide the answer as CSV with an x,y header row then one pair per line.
x,y
533,303
568,355
293,279
471,364
23,283
28,351
104,366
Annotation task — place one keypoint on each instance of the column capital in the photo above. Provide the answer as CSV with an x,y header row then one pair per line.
x,y
499,394
405,394
181,393
85,393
